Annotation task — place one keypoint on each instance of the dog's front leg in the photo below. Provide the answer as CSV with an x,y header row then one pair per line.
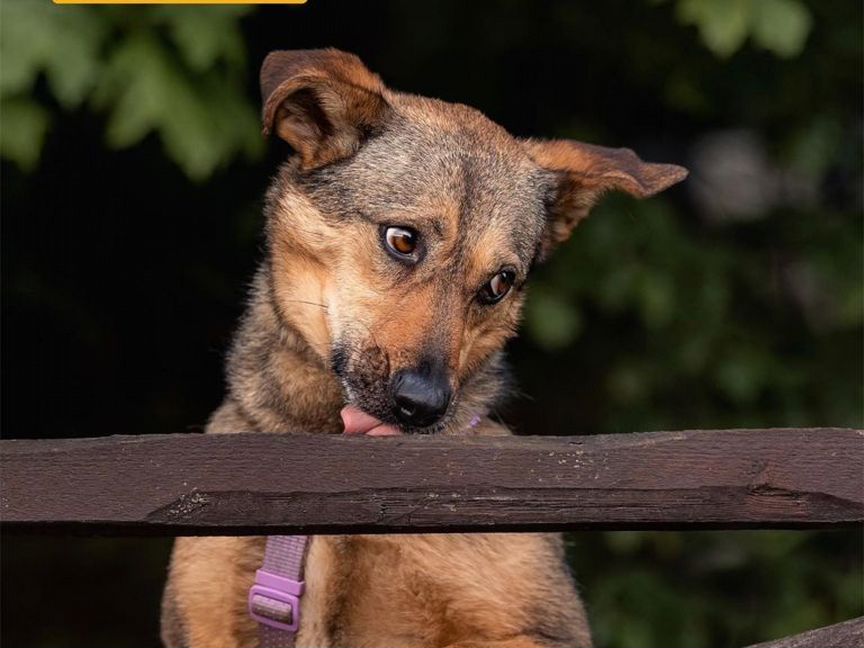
x,y
204,604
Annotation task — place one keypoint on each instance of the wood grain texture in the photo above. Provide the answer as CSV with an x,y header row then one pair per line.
x,y
235,484
848,634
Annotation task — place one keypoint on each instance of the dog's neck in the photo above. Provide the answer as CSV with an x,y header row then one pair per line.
x,y
281,385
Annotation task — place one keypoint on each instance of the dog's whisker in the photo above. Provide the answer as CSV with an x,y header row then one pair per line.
x,y
309,303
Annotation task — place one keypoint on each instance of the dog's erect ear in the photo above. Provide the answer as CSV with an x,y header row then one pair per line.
x,y
324,103
586,172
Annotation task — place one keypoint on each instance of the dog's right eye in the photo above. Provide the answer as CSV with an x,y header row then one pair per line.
x,y
401,241
497,287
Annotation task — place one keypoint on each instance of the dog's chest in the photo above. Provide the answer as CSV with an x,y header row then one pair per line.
x,y
420,590
364,590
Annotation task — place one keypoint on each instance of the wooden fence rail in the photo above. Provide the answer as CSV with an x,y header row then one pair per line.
x,y
193,484
847,634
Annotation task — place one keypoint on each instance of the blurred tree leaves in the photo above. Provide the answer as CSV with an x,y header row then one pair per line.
x,y
712,311
174,71
644,584
726,323
36,37
780,26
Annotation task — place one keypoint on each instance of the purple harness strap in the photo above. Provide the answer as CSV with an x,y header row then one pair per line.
x,y
274,599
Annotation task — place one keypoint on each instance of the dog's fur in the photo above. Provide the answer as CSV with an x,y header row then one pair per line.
x,y
332,317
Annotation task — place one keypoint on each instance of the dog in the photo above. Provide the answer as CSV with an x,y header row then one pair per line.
x,y
400,234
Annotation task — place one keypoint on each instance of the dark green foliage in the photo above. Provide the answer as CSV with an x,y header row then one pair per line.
x,y
176,71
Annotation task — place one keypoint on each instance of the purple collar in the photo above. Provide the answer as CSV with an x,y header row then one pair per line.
x,y
274,600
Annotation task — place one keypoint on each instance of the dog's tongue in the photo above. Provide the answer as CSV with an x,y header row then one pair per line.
x,y
356,421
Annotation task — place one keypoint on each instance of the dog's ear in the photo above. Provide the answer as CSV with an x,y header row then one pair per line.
x,y
586,172
324,103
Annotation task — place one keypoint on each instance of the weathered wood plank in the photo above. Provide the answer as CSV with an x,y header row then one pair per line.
x,y
192,484
848,634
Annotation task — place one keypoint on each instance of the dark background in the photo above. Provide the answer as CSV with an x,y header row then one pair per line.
x,y
132,177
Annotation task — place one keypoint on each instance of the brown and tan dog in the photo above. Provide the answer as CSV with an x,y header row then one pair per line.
x,y
400,236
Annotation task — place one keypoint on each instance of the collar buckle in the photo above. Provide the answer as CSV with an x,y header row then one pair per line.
x,y
275,601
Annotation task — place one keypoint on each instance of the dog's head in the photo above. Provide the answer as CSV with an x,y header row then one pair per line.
x,y
403,229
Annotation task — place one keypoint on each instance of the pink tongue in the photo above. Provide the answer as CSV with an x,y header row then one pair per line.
x,y
357,421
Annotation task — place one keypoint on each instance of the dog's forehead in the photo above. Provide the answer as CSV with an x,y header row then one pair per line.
x,y
469,172
448,168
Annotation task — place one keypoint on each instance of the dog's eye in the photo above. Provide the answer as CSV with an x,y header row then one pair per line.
x,y
402,241
498,287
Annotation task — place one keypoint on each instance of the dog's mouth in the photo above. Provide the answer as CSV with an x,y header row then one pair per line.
x,y
357,422
409,402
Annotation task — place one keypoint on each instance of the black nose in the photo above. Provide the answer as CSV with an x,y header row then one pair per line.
x,y
420,398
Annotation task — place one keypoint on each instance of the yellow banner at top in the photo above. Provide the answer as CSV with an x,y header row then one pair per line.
x,y
188,2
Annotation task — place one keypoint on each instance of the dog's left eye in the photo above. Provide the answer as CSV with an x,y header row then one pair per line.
x,y
401,241
497,287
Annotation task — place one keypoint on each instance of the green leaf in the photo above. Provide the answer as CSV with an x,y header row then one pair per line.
x,y
75,54
23,132
63,42
723,24
781,26
206,35
23,44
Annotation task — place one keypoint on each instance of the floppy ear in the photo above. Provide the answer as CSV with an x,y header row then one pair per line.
x,y
324,103
586,172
